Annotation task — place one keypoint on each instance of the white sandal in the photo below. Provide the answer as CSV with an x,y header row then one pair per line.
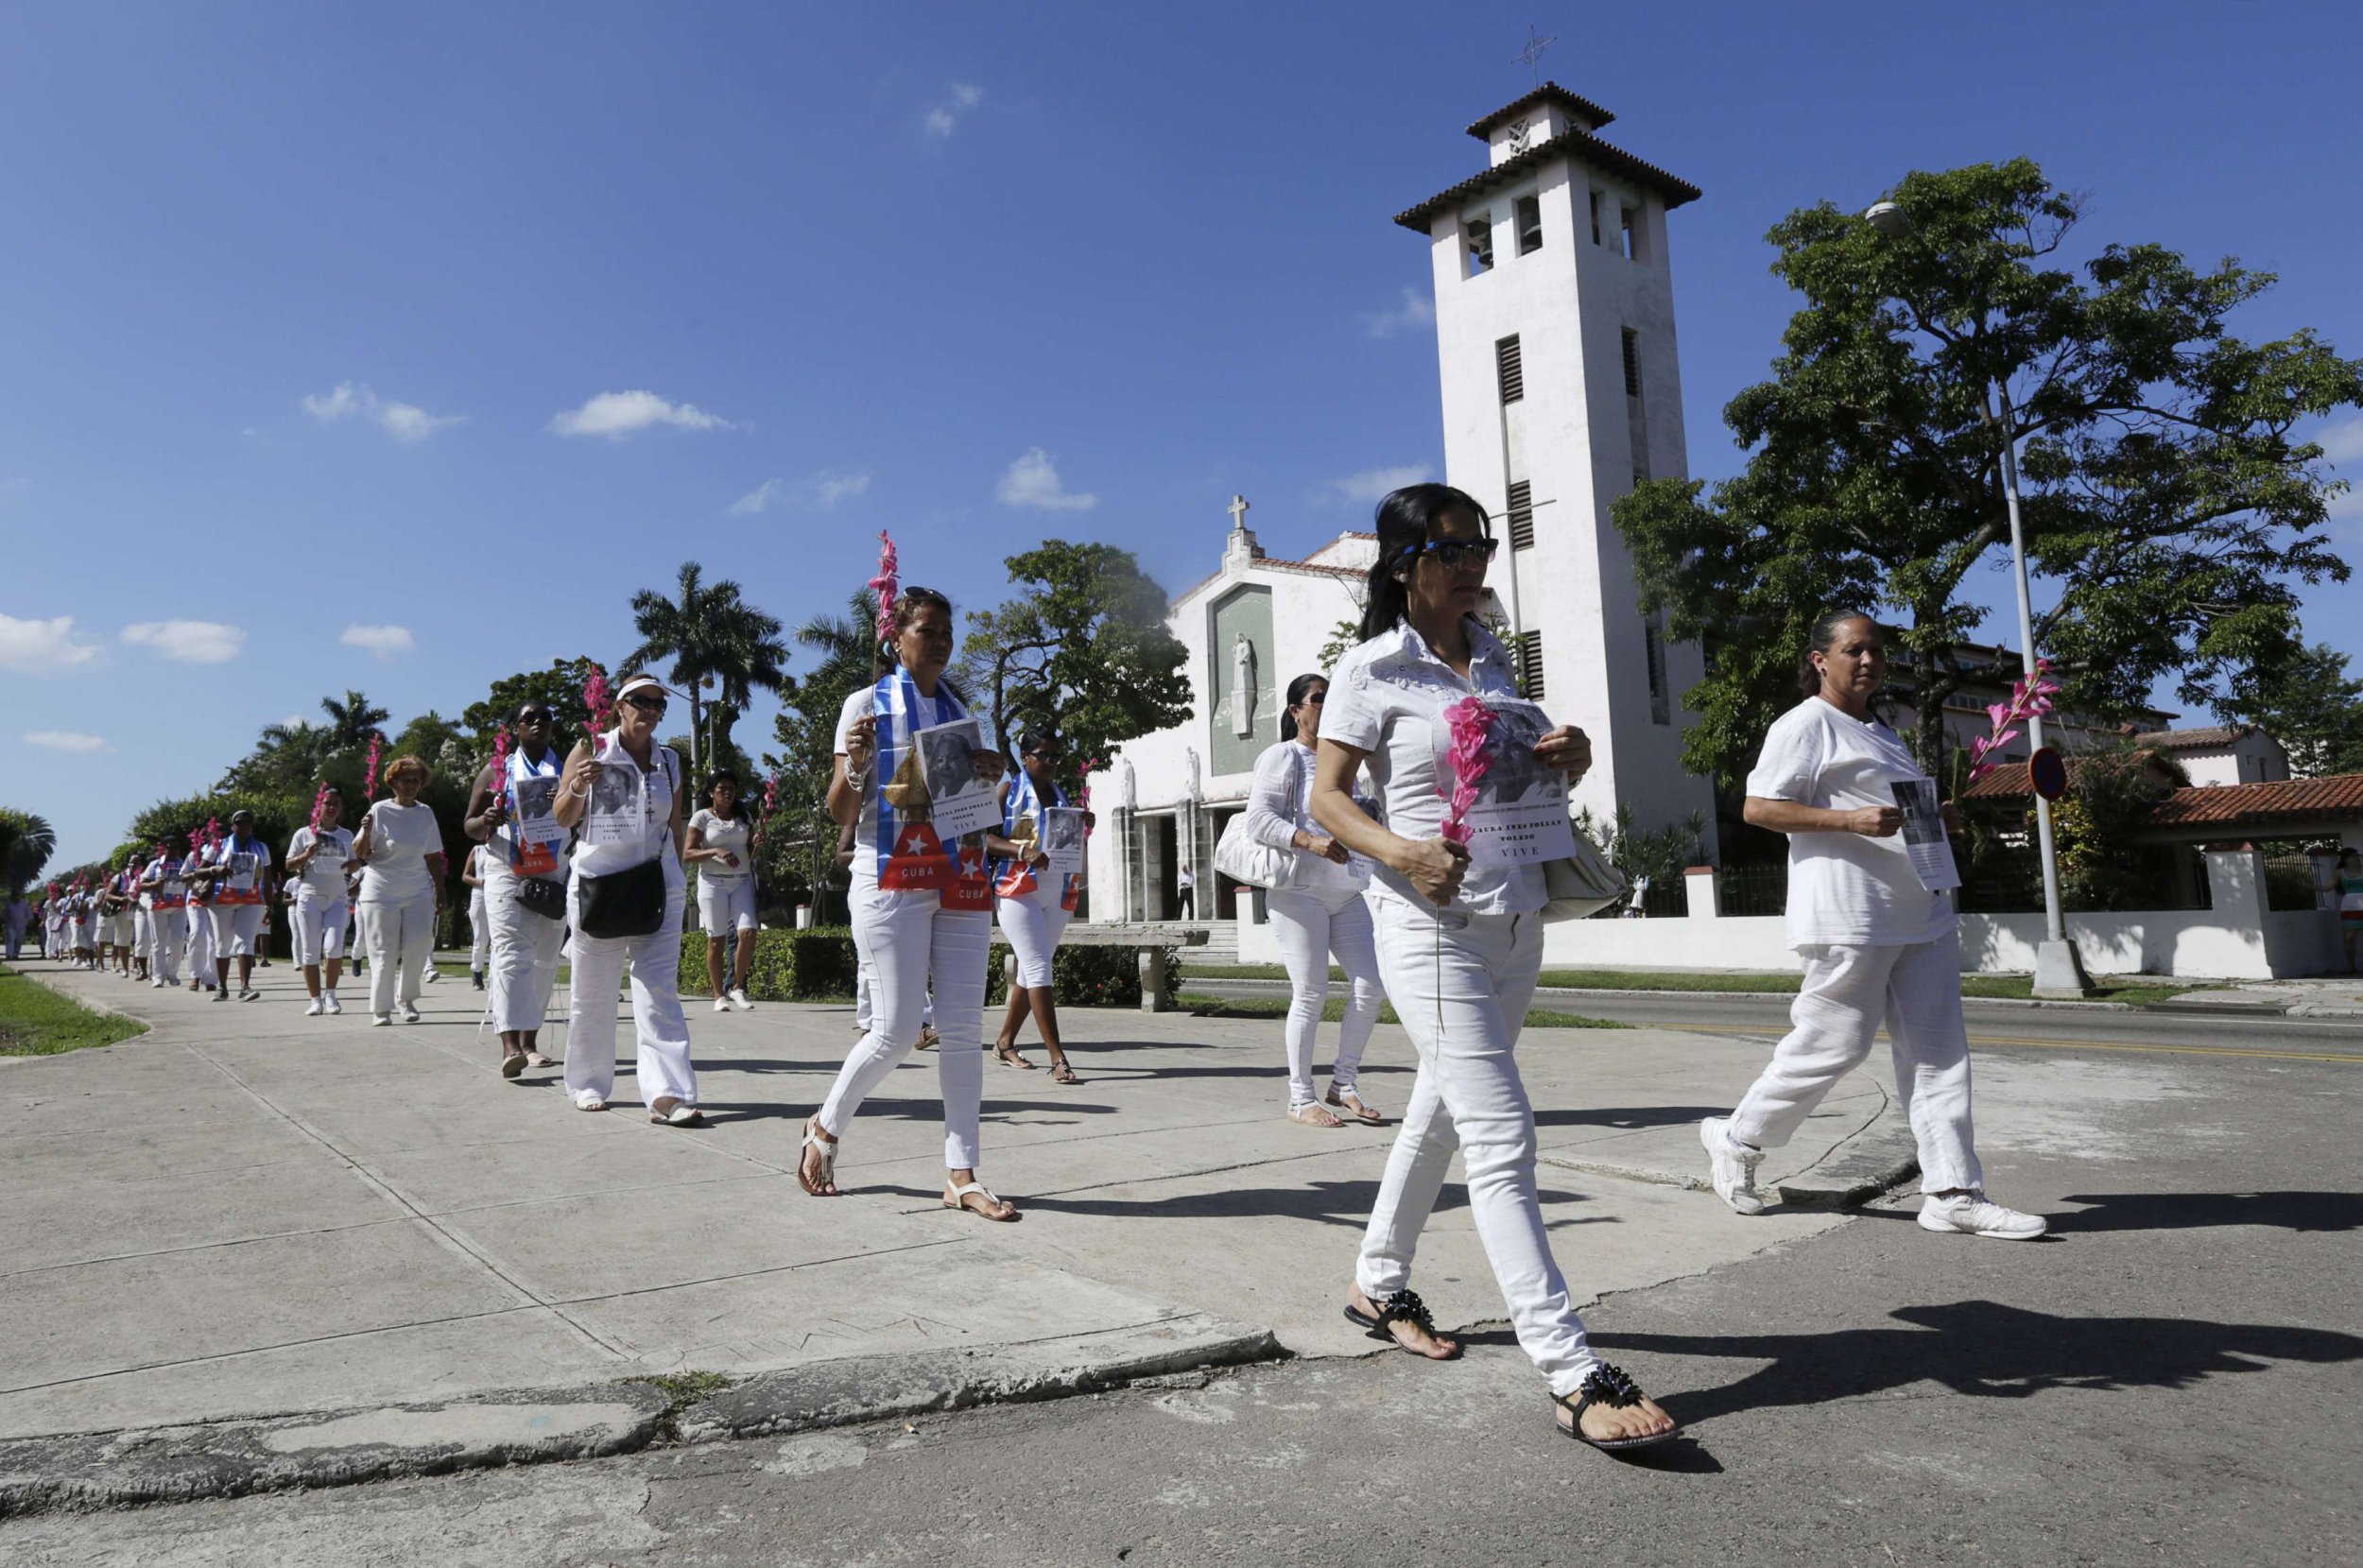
x,y
955,1197
1314,1115
828,1161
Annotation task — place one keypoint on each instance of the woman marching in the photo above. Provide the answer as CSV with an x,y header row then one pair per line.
x,y
512,813
1879,947
720,842
238,872
1033,916
403,871
320,855
1459,948
922,909
472,873
168,898
622,792
1320,914
199,910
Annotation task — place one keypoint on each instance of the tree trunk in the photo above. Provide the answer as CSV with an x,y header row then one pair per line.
x,y
696,717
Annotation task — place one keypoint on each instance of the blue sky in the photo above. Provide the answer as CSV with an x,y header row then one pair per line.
x,y
300,303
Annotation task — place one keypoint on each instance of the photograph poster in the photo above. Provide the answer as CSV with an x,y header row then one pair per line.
x,y
1520,818
1063,839
1924,839
960,801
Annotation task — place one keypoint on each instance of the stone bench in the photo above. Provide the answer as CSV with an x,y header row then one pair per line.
x,y
1148,941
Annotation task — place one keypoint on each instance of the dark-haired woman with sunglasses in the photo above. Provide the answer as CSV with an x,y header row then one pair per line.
x,y
1459,947
922,908
513,814
1032,905
1317,914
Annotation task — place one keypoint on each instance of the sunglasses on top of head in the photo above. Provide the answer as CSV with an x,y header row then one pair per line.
x,y
1451,553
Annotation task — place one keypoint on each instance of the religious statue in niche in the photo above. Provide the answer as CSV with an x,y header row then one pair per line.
x,y
1242,685
1124,783
1189,765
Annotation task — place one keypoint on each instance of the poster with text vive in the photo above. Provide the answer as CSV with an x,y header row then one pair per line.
x,y
960,801
1519,814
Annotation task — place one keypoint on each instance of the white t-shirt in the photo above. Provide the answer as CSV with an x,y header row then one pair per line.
x,y
723,833
400,838
323,876
1845,889
1387,698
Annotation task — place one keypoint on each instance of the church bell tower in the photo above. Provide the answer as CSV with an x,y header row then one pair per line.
x,y
1562,391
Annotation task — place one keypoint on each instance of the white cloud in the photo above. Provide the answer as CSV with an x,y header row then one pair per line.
x,y
1416,310
2342,442
1373,484
66,740
405,422
191,642
818,492
42,647
1033,481
384,641
616,415
943,116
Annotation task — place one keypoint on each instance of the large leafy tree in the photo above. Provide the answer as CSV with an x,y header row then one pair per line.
x,y
559,688
2169,512
2309,704
709,632
27,842
1084,648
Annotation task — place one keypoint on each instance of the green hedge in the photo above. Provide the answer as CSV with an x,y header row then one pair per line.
x,y
818,964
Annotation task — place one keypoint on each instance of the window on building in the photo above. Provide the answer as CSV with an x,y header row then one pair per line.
x,y
1653,648
1628,220
1521,514
1479,233
1595,218
1530,657
1633,363
1509,368
1529,224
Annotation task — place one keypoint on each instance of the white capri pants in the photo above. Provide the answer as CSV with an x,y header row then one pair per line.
x,y
525,955
662,1032
1309,931
479,930
1468,1098
401,940
118,930
236,930
1033,925
143,933
907,938
170,929
201,941
319,928
726,904
1848,991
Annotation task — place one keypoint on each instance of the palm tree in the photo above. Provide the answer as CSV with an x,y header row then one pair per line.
x,y
27,842
349,721
713,636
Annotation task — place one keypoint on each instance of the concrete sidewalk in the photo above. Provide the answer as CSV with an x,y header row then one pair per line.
x,y
251,1213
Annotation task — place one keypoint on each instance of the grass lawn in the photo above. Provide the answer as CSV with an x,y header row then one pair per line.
x,y
2132,988
37,1022
1276,1007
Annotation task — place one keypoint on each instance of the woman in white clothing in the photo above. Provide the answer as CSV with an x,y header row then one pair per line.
x,y
402,874
1317,915
320,857
921,908
479,929
515,817
200,921
238,871
1032,905
621,793
1459,946
167,919
720,845
1878,946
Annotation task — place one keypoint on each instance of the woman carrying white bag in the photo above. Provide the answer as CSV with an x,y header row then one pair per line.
x,y
1315,907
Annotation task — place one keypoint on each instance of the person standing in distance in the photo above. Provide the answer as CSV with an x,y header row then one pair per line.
x,y
321,856
721,847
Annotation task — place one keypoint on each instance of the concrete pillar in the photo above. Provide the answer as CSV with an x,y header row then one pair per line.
x,y
2236,886
1155,993
1699,887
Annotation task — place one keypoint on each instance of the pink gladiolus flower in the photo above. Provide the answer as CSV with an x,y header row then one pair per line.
x,y
1470,723
597,697
888,584
499,799
319,804
368,777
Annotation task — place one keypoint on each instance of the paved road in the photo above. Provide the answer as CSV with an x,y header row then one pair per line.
x,y
2176,1377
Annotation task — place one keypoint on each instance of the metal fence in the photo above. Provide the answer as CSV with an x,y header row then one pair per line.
x,y
1752,889
2289,882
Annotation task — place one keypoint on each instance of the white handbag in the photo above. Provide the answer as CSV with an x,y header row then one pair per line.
x,y
1244,858
1582,885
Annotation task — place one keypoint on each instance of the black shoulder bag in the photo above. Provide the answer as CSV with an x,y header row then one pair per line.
x,y
629,903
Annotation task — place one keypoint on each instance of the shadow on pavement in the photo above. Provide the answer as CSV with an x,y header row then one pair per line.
x,y
1341,1203
2191,1211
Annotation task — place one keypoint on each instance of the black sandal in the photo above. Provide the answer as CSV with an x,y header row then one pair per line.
x,y
1062,1071
1607,1386
1403,1307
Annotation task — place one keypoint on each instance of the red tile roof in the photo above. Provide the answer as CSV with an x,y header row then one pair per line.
x,y
1571,142
2009,780
2243,805
2191,740
1550,92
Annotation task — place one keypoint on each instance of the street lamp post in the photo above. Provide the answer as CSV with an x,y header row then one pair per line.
x,y
2058,968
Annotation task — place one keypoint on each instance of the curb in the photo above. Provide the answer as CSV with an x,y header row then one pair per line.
x,y
1578,993
179,1464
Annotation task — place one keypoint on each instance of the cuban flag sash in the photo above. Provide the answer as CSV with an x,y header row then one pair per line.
x,y
1022,823
910,856
532,854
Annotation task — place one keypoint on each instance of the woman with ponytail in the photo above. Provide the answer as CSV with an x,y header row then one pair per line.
x,y
1032,905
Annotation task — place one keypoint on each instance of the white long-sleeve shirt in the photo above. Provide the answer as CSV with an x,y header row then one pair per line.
x,y
1279,804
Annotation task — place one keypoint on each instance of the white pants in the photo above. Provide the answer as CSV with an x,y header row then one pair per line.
x,y
171,929
1032,925
1468,1096
525,955
400,941
861,995
660,1031
479,932
906,939
118,931
319,928
237,928
726,904
1848,992
143,933
201,943
1309,930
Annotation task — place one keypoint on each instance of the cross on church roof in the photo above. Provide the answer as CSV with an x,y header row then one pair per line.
x,y
1238,513
1532,54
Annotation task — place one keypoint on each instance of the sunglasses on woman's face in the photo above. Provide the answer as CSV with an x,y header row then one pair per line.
x,y
647,704
1453,554
1314,700
534,716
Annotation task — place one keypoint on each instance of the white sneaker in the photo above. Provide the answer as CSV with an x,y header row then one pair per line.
x,y
738,999
410,1012
250,994
1971,1214
384,1020
334,1007
721,1005
155,985
1731,1166
433,974
315,1010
